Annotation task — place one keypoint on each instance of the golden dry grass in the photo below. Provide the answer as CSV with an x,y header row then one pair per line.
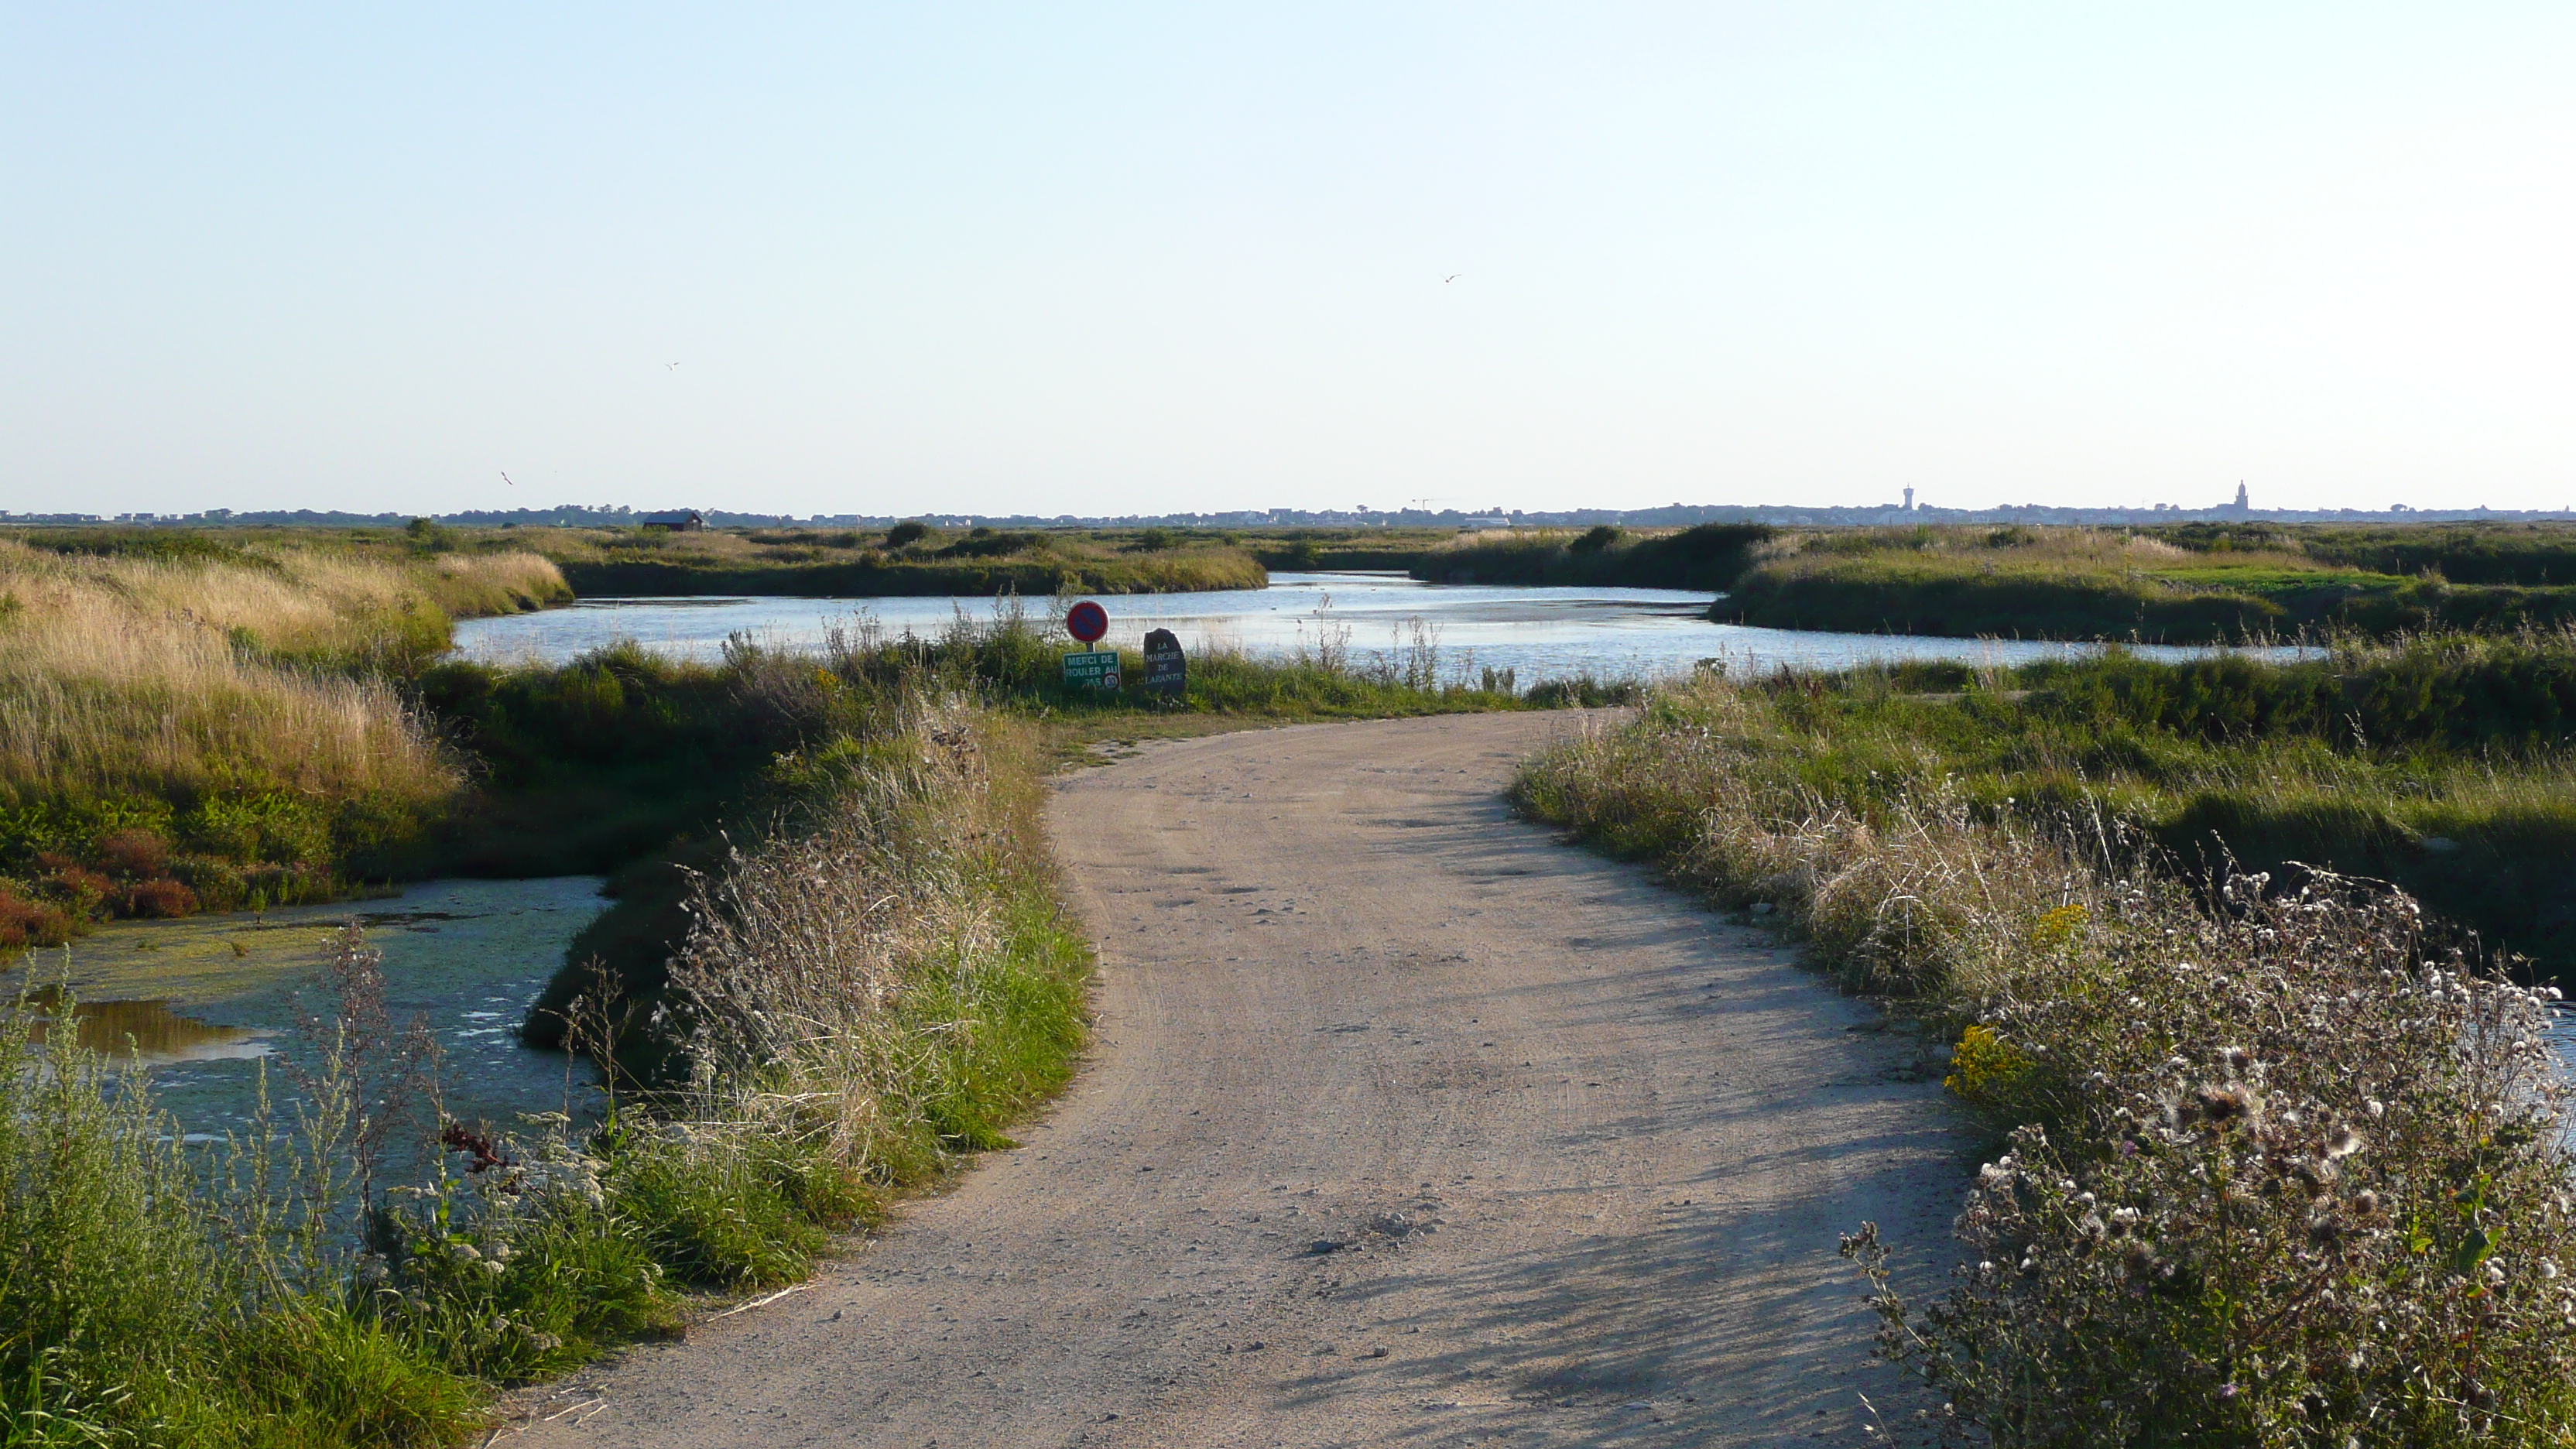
x,y
131,676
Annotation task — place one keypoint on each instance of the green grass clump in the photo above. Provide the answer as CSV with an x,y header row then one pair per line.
x,y
155,1295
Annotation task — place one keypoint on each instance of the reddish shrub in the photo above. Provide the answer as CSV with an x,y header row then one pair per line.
x,y
83,888
23,923
160,898
51,861
137,853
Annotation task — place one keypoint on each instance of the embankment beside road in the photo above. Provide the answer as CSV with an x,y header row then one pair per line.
x,y
871,992
2274,1158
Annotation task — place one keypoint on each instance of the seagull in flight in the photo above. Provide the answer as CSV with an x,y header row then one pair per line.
x,y
1445,281
672,365
506,479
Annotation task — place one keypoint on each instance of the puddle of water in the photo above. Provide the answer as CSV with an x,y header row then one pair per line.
x,y
199,1000
1541,633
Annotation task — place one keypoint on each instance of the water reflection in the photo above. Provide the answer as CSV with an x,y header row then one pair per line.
x,y
147,1031
1539,633
204,996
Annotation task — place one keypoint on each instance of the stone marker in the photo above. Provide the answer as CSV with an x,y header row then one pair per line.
x,y
1167,670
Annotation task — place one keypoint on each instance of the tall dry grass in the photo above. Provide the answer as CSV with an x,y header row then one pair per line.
x,y
124,677
893,981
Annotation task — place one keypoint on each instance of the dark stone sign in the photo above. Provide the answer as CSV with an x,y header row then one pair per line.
x,y
1167,670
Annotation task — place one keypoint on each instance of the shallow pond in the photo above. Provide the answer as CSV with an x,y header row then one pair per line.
x,y
1539,633
200,1000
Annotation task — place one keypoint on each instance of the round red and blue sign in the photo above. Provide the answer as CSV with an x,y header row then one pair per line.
x,y
1087,622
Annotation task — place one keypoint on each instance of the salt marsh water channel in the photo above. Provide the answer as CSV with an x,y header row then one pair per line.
x,y
1538,633
200,1000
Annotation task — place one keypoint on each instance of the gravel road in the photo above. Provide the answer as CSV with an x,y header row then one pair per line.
x,y
1406,1125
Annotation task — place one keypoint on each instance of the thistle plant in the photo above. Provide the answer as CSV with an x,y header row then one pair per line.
x,y
2314,1188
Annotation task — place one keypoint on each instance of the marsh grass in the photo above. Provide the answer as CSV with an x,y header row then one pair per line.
x,y
215,726
910,559
2183,585
2442,764
1710,556
2282,1163
893,983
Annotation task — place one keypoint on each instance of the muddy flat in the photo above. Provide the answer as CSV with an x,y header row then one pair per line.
x,y
1406,1125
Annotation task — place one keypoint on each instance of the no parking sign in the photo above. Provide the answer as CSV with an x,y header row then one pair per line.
x,y
1092,669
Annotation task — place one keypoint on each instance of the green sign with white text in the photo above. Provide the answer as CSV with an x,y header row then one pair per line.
x,y
1097,669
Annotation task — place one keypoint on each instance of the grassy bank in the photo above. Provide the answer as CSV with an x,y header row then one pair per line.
x,y
2441,765
157,1294
2185,585
1710,557
910,559
187,722
2278,1164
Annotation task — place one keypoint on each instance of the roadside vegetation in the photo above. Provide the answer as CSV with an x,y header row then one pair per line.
x,y
907,559
279,1289
2280,1158
2186,584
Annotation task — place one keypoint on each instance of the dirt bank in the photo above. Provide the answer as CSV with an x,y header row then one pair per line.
x,y
1407,1126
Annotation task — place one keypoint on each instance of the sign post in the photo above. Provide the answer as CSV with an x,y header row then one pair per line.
x,y
1095,668
1167,669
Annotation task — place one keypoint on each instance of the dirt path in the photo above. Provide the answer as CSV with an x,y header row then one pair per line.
x,y
1407,1126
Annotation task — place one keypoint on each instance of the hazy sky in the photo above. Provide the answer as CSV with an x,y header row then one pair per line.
x,y
1114,258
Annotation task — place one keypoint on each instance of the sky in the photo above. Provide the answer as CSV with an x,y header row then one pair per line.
x,y
1125,258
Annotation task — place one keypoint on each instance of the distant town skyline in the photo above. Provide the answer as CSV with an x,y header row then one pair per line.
x,y
1130,260
1909,510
